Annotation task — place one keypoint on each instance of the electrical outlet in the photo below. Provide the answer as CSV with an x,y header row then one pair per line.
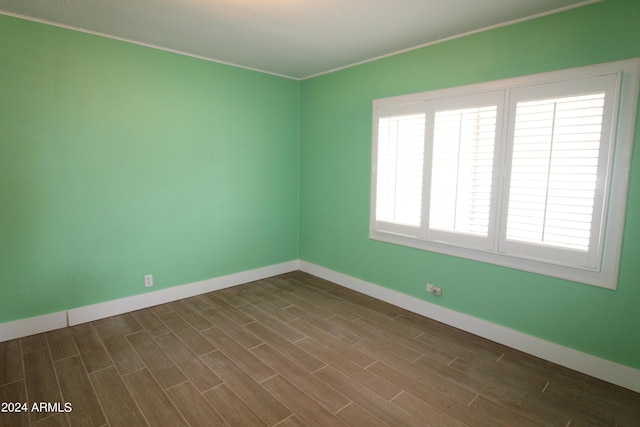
x,y
148,280
434,290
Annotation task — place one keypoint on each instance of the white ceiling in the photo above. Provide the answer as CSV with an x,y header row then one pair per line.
x,y
293,38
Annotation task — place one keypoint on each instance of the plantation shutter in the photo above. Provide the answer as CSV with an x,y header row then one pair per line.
x,y
559,164
528,173
463,136
399,169
462,168
554,171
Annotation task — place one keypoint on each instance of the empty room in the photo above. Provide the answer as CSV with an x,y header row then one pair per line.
x,y
323,213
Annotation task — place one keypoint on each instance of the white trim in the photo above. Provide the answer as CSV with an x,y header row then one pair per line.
x,y
48,322
606,370
32,325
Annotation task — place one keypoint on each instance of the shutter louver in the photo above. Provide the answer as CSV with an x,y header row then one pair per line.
x,y
462,169
554,170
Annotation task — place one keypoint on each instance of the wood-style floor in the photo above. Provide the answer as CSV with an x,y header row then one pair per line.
x,y
292,350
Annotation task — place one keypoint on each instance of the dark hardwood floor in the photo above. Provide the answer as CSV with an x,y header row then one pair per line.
x,y
292,350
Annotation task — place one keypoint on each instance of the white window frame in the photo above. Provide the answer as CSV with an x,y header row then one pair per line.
x,y
602,268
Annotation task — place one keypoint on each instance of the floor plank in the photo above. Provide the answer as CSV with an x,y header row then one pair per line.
x,y
41,381
288,351
355,415
33,343
267,407
227,309
451,407
271,322
61,344
534,405
249,363
156,406
294,352
194,407
377,339
320,391
191,316
379,407
433,380
156,360
364,377
430,415
93,353
192,366
10,362
53,420
196,342
152,325
119,348
77,390
307,409
239,333
127,323
234,410
119,407
328,340
500,414
12,393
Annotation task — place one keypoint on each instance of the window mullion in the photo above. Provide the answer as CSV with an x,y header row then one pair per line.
x,y
427,168
497,222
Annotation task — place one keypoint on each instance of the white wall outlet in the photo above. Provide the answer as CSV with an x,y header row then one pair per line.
x,y
148,280
435,290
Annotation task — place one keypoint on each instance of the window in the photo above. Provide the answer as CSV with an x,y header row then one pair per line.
x,y
529,173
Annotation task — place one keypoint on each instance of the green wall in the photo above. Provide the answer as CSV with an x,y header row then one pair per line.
x,y
335,171
118,160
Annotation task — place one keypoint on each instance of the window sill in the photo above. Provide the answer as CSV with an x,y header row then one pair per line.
x,y
606,278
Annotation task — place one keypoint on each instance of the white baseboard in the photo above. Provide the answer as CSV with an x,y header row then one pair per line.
x,y
32,325
48,322
603,369
137,302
